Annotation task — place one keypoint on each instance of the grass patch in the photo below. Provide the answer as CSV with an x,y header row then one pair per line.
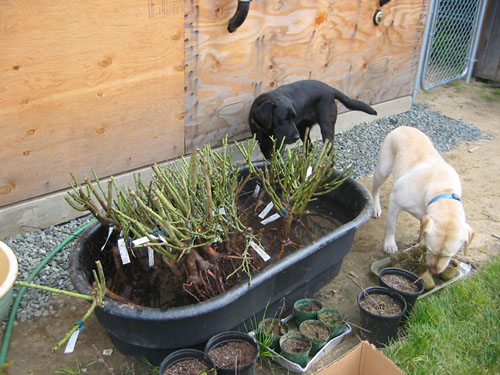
x,y
456,331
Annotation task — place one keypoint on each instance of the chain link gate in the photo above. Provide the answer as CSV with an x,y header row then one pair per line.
x,y
450,41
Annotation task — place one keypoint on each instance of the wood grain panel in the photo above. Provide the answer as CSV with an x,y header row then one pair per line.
x,y
284,41
87,84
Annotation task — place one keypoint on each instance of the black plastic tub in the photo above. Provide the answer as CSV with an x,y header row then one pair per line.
x,y
154,333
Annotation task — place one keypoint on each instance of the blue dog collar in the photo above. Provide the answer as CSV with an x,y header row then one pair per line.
x,y
446,195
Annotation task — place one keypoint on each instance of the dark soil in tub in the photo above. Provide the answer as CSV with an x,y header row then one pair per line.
x,y
295,345
315,331
138,284
381,304
188,367
233,354
400,283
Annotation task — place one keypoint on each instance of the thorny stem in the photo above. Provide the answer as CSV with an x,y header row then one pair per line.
x,y
54,290
96,296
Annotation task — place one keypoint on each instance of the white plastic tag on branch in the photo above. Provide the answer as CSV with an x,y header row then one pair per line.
x,y
256,191
140,241
110,230
259,250
222,211
266,210
309,171
270,219
70,346
122,249
151,257
162,239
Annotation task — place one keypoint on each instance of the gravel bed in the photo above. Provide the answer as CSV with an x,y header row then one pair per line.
x,y
358,146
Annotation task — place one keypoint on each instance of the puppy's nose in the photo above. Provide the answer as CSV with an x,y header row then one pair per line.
x,y
294,137
432,270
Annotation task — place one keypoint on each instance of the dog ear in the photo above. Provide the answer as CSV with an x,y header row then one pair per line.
x,y
285,110
424,223
266,114
470,236
291,113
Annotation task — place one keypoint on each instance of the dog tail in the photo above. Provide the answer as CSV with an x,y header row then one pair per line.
x,y
353,104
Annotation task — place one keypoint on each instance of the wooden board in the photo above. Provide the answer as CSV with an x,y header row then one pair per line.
x,y
284,41
488,60
87,84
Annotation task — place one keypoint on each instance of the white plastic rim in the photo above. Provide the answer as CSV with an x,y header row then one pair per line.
x,y
7,284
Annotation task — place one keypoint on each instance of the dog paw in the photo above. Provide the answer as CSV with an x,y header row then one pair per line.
x,y
390,248
377,212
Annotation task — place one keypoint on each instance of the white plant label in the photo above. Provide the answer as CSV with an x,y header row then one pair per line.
x,y
259,250
140,241
122,249
270,219
70,346
266,210
256,191
309,171
110,230
151,257
222,211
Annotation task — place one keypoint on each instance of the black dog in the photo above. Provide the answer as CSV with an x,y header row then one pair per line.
x,y
286,113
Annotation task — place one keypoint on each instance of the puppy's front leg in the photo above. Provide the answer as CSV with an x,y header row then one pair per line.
x,y
382,171
378,180
393,212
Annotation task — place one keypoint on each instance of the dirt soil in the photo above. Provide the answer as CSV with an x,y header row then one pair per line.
x,y
478,164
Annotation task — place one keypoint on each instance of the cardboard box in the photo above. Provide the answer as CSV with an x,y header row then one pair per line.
x,y
363,359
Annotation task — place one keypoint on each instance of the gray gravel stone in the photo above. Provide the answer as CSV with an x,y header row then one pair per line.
x,y
358,146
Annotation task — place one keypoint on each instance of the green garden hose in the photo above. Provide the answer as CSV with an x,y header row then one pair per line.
x,y
17,301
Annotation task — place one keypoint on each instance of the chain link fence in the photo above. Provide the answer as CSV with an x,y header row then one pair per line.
x,y
451,42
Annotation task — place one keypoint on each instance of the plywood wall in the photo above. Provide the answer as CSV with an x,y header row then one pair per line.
x,y
115,85
87,84
282,41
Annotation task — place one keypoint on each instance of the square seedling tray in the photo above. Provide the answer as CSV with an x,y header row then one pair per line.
x,y
463,270
294,367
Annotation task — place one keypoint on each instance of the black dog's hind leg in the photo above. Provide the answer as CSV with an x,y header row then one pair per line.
x,y
326,120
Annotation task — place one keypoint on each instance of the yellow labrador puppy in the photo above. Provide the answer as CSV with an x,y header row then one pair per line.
x,y
426,187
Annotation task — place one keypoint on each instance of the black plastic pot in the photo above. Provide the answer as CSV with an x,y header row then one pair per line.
x,y
153,333
231,336
380,328
408,296
184,355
